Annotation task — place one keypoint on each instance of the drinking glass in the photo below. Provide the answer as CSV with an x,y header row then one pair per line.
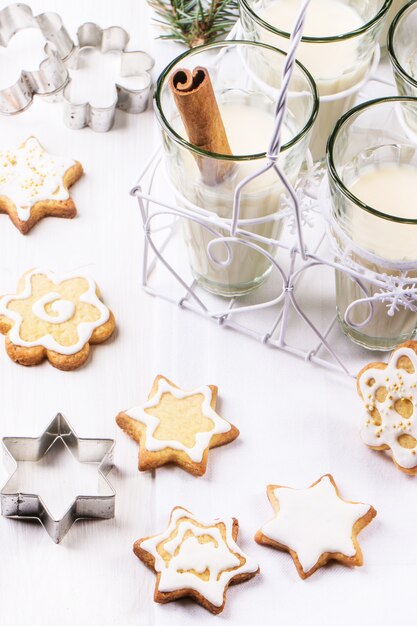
x,y
368,139
394,10
246,96
402,49
338,63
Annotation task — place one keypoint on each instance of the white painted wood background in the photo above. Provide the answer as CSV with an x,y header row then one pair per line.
x,y
297,422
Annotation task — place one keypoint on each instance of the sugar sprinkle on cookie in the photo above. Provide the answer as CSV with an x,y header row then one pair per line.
x,y
34,184
389,393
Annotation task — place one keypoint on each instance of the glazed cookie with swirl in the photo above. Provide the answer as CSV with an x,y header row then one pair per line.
x,y
54,317
177,426
196,558
389,393
34,184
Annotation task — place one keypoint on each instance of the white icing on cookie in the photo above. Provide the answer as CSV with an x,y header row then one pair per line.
x,y
65,310
30,174
399,384
202,439
314,521
216,556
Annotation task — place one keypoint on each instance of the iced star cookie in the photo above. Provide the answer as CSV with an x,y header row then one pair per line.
x,y
196,558
176,426
389,393
315,525
34,184
54,317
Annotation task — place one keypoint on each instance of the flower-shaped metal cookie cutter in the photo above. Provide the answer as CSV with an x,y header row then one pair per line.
x,y
132,64
25,505
52,75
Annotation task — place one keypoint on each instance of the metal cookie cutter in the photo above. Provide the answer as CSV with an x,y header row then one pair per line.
x,y
132,64
52,74
25,505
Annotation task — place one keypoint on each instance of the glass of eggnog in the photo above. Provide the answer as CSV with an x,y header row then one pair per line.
x,y
204,182
338,47
402,49
372,171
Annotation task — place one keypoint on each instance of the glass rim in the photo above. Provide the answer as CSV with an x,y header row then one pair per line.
x,y
226,157
332,170
390,42
333,38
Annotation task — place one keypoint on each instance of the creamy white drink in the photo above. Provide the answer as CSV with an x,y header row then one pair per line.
x,y
335,66
392,190
249,130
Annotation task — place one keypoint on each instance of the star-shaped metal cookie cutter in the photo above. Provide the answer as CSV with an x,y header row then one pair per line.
x,y
52,75
132,64
25,505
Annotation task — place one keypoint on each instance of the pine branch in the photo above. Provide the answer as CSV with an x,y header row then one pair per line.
x,y
195,22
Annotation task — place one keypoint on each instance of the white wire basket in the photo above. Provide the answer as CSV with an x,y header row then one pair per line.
x,y
294,310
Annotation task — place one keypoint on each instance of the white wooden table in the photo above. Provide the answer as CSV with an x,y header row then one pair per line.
x,y
297,422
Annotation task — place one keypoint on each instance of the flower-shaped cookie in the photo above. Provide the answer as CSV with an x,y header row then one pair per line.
x,y
177,426
54,317
196,558
315,525
389,393
34,184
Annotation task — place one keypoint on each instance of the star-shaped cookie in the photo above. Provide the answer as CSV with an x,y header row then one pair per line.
x,y
34,184
315,525
177,426
389,394
196,558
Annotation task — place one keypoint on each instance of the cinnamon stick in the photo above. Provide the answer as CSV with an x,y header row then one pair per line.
x,y
197,105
